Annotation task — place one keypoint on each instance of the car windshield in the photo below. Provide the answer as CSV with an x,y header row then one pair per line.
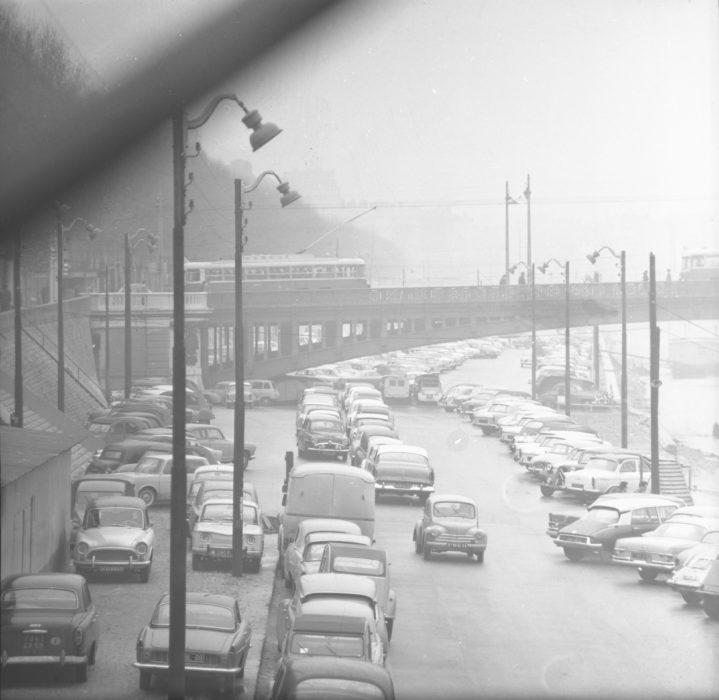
x,y
452,509
358,565
222,513
198,615
95,489
218,493
149,465
602,515
327,645
681,531
114,516
39,599
325,426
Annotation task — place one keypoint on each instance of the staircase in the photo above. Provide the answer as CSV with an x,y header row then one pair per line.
x,y
672,481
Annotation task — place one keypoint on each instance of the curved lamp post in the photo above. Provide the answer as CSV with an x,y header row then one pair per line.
x,y
181,124
132,240
621,256
60,231
507,201
287,196
530,272
567,387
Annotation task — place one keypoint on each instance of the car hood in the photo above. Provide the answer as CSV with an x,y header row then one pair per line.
x,y
402,471
585,527
225,528
208,641
668,545
113,536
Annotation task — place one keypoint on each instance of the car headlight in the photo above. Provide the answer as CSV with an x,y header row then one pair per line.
x,y
205,537
478,536
82,549
250,539
432,532
621,554
663,558
141,548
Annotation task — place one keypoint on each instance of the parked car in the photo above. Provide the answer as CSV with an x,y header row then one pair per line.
x,y
309,677
264,391
153,475
360,440
322,435
655,552
609,518
192,444
315,586
364,561
212,534
212,436
691,571
118,427
49,619
402,470
449,524
116,537
709,591
292,556
196,404
217,641
336,627
123,452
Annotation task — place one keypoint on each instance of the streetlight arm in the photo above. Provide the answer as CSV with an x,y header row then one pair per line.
x,y
198,121
259,179
543,267
592,257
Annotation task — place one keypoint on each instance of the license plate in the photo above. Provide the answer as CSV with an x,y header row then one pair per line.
x,y
222,553
34,642
111,569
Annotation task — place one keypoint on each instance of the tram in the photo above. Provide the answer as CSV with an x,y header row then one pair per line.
x,y
699,265
277,272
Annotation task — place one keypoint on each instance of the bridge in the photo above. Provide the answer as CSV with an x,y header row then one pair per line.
x,y
291,330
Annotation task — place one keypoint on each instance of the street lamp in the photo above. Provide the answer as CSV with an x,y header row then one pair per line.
x,y
592,257
60,230
287,196
534,324
132,240
528,196
181,124
567,388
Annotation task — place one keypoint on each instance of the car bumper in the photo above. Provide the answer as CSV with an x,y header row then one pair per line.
x,y
583,546
473,548
329,452
407,490
112,567
225,553
644,564
212,671
61,659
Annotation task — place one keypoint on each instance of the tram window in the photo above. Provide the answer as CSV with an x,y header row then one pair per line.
x,y
192,275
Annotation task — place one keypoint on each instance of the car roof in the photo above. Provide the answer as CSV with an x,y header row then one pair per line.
x,y
110,501
710,512
303,668
338,584
327,615
377,429
47,579
202,597
355,550
302,470
397,448
326,525
114,476
629,501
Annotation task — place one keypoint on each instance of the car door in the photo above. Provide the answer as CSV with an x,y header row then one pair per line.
x,y
164,482
644,520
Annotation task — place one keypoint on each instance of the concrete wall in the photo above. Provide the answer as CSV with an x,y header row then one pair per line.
x,y
35,519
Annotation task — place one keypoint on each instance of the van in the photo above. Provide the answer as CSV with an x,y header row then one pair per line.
x,y
326,491
265,391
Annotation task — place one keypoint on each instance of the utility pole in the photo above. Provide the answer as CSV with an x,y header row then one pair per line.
x,y
17,417
567,385
527,196
654,380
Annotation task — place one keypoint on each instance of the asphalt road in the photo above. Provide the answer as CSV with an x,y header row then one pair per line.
x,y
526,622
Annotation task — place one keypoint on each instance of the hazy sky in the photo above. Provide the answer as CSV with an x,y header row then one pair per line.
x,y
426,108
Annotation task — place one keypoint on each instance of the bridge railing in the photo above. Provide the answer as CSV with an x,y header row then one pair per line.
x,y
152,301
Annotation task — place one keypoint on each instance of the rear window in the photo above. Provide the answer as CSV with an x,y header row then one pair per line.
x,y
358,565
327,645
326,688
404,457
602,515
39,599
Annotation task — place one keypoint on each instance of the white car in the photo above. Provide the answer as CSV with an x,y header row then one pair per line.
x,y
607,472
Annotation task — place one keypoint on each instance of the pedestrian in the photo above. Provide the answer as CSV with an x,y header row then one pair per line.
x,y
503,280
5,298
522,279
669,275
645,276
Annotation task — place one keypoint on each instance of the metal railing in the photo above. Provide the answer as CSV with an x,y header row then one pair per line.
x,y
152,301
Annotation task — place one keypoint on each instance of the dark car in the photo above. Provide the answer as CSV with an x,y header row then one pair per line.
x,y
48,619
217,641
359,440
709,591
606,520
322,435
402,470
323,677
123,452
113,428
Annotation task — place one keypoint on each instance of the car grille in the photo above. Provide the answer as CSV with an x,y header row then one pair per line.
x,y
640,556
221,539
328,446
581,539
449,538
101,555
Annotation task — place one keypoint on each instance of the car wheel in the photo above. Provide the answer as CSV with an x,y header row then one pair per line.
x,y
389,624
691,598
605,555
647,574
546,490
480,557
573,554
196,562
92,656
81,673
145,575
417,544
148,495
710,603
426,552
264,401
145,680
